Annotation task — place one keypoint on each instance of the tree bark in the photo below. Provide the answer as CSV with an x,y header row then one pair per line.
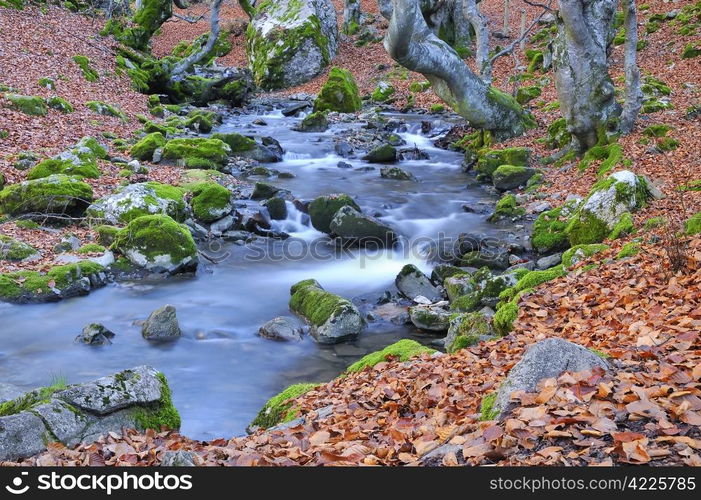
x,y
634,94
412,44
351,15
187,63
249,7
181,4
479,24
585,89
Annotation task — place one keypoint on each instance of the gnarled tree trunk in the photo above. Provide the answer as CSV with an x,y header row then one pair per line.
x,y
634,94
413,44
580,59
197,56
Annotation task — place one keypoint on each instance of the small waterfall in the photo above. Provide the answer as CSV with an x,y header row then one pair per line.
x,y
297,224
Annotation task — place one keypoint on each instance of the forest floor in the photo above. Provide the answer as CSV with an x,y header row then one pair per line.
x,y
639,311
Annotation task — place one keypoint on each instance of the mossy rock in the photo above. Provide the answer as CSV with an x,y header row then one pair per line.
x,y
507,208
382,154
383,92
198,152
466,329
86,168
558,136
29,105
507,177
144,149
210,201
157,243
136,200
26,286
84,64
314,122
339,93
332,318
323,208
54,195
690,51
505,317
531,280
237,142
525,95
59,104
549,229
403,350
693,224
580,252
203,121
280,408
105,109
489,160
15,250
630,249
106,234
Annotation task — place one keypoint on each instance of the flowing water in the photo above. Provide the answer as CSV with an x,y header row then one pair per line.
x,y
221,372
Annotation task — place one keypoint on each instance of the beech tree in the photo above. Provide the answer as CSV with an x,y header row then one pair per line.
x,y
415,46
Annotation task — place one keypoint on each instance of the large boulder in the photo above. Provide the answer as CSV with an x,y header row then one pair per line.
x,y
136,200
210,201
157,243
95,334
289,42
339,93
467,329
430,318
323,208
162,324
490,159
245,147
412,283
15,250
197,152
507,177
607,207
331,318
132,399
53,195
281,328
354,227
545,359
79,161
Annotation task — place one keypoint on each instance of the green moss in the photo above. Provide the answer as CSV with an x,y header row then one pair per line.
x,y
629,250
54,194
27,224
462,342
237,142
383,93
531,280
467,303
157,235
323,208
162,415
403,350
279,408
611,154
59,104
581,252
102,108
535,60
658,130
31,399
549,231
666,144
144,149
690,51
654,223
558,135
29,105
490,159
436,108
316,304
84,64
91,248
599,353
585,228
26,283
504,318
693,225
507,207
527,94
623,227
210,201
86,167
487,411
106,234
655,105
201,120
339,93
11,249
214,152
419,86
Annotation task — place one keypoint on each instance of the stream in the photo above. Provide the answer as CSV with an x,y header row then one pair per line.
x,y
221,372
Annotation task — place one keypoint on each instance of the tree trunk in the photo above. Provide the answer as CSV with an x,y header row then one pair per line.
x,y
181,4
585,89
634,94
249,7
479,24
351,15
412,44
187,63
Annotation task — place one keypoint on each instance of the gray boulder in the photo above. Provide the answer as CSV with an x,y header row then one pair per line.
x,y
430,318
95,334
134,200
282,328
545,359
508,177
549,261
412,283
178,458
133,399
382,154
351,225
397,174
162,324
291,42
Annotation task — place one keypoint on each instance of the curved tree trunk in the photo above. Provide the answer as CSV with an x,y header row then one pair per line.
x,y
187,63
412,44
479,23
584,87
634,94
